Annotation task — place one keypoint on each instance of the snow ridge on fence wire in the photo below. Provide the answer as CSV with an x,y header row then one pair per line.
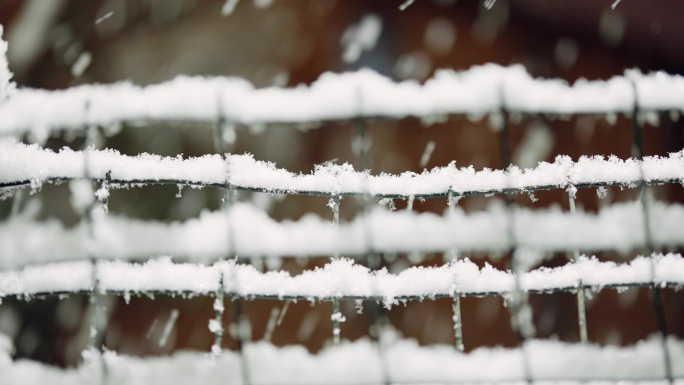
x,y
359,363
480,90
618,227
32,165
342,279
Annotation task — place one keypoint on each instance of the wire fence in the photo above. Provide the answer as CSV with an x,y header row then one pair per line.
x,y
359,97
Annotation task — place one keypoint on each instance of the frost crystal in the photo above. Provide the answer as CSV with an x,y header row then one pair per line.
x,y
215,350
358,305
387,202
602,192
102,193
338,317
215,326
218,305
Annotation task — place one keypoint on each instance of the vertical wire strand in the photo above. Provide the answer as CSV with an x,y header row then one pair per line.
x,y
219,304
336,317
219,309
581,307
240,319
225,147
336,322
373,260
520,307
16,202
456,305
242,330
654,292
93,300
96,318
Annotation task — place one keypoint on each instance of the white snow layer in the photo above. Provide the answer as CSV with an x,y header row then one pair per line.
x,y
24,163
479,90
243,232
337,279
7,87
360,362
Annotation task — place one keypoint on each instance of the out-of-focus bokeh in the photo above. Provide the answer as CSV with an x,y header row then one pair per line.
x,y
62,43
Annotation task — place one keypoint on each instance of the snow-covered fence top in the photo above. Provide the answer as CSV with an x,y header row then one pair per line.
x,y
32,165
342,279
361,363
247,231
363,94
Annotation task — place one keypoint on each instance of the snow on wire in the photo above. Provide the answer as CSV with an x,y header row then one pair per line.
x,y
363,95
618,227
342,279
478,91
359,363
32,165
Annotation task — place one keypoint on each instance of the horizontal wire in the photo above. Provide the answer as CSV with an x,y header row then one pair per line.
x,y
290,297
306,125
123,182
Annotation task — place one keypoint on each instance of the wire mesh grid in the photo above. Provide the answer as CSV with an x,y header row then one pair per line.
x,y
226,278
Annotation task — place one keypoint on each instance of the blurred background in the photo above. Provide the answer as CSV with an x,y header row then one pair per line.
x,y
62,43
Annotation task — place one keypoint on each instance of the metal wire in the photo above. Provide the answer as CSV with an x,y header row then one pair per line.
x,y
97,320
336,302
655,294
241,321
326,298
219,308
520,308
581,308
357,194
456,306
373,259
